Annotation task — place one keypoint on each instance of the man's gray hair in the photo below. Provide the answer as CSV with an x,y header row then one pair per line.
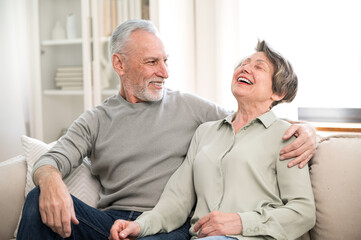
x,y
121,33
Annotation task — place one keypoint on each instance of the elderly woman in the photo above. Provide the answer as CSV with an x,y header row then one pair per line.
x,y
232,173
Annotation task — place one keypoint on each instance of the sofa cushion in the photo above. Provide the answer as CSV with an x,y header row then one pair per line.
x,y
12,183
336,181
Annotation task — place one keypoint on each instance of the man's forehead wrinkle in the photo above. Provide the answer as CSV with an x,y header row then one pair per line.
x,y
152,58
156,57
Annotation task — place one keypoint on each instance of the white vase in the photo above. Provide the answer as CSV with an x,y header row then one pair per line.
x,y
58,31
71,26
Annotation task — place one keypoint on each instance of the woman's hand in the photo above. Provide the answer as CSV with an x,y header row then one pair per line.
x,y
123,229
219,224
303,147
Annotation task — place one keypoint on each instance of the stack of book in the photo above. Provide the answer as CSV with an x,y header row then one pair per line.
x,y
69,77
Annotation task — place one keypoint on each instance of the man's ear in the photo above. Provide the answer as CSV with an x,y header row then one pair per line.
x,y
118,63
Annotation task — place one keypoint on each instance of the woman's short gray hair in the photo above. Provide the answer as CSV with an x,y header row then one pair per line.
x,y
121,33
284,79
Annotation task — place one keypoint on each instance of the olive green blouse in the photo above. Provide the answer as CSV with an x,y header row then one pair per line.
x,y
241,173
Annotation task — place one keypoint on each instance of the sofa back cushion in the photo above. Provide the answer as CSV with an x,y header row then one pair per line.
x,y
336,181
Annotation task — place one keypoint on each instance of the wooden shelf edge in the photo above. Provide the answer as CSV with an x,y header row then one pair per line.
x,y
338,129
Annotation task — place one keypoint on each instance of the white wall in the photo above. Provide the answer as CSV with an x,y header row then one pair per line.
x,y
12,77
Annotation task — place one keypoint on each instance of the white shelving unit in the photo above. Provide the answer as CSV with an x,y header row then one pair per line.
x,y
56,108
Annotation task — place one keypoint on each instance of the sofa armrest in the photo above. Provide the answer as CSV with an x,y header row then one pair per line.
x,y
335,177
12,187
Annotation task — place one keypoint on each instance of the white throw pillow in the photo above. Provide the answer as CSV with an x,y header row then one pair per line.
x,y
33,149
80,182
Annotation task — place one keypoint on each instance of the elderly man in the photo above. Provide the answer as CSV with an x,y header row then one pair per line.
x,y
135,140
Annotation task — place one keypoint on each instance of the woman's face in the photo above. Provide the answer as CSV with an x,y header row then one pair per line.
x,y
252,80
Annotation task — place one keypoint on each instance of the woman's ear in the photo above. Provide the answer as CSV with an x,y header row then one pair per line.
x,y
276,97
118,63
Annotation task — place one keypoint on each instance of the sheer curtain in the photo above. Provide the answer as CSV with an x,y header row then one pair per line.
x,y
14,75
175,22
202,39
217,38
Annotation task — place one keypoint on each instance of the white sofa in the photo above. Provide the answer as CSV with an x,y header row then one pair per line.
x,y
16,182
335,176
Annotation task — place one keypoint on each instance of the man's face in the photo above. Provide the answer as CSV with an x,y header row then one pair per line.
x,y
145,68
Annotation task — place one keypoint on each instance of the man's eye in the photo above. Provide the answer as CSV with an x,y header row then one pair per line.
x,y
152,62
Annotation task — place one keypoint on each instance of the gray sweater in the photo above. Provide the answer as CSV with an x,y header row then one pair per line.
x,y
133,148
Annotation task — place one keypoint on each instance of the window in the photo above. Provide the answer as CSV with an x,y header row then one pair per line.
x,y
322,40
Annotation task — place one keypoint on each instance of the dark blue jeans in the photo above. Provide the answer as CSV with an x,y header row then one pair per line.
x,y
93,223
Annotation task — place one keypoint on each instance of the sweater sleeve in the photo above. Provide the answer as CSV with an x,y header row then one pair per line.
x,y
290,220
176,201
204,110
70,150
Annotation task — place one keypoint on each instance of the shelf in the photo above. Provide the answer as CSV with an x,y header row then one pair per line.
x,y
57,108
61,42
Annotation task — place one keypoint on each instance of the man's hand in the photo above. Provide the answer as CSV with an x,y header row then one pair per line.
x,y
55,203
219,224
125,230
302,148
